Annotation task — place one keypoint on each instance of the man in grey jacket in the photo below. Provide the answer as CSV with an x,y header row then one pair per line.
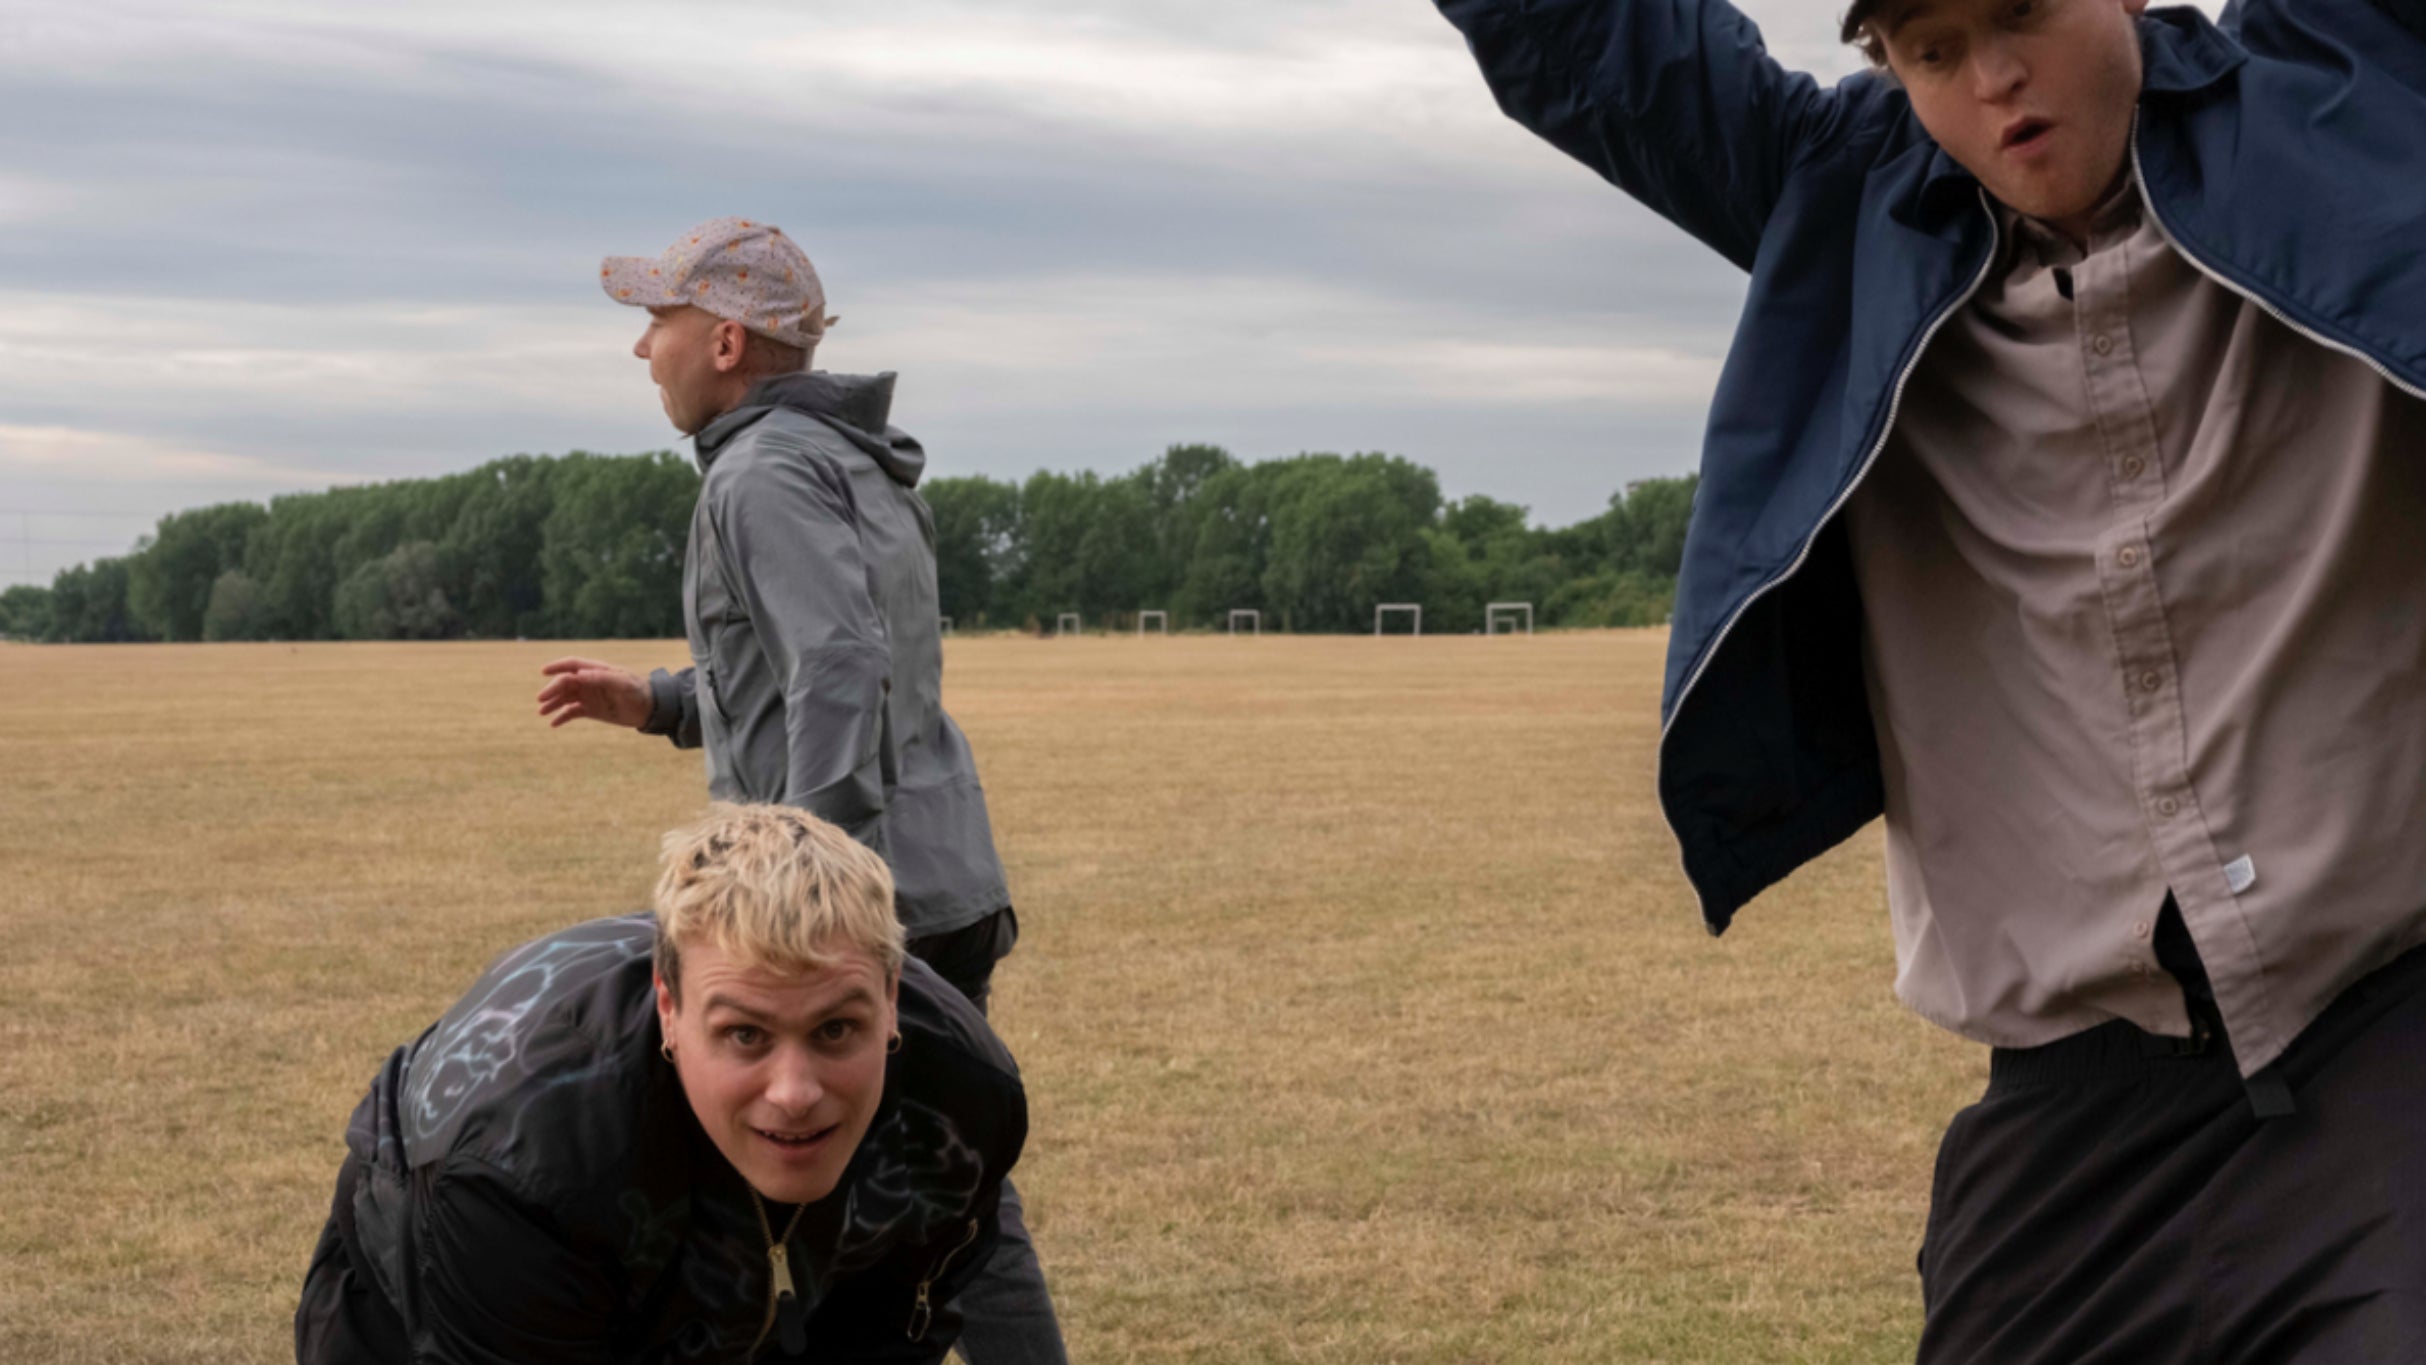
x,y
809,598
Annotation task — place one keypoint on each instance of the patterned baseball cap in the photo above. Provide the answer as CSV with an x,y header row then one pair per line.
x,y
739,269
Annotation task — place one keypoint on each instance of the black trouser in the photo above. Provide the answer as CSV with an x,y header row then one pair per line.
x,y
1007,1314
2113,1199
966,956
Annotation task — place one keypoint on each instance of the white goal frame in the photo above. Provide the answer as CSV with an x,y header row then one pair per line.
x,y
1382,608
1068,624
1160,618
1492,613
1255,620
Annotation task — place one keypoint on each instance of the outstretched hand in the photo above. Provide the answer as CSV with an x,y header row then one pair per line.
x,y
585,689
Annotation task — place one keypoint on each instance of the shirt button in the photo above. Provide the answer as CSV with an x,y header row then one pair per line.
x,y
2132,465
2166,805
2149,681
2101,343
2129,558
2139,929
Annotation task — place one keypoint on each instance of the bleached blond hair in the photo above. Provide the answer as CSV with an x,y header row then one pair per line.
x,y
772,887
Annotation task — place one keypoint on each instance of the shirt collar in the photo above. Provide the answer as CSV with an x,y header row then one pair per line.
x,y
2115,218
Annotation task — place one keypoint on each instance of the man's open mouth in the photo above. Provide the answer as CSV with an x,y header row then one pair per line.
x,y
803,1139
2024,132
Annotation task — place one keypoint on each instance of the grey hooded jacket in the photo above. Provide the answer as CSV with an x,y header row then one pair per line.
x,y
816,675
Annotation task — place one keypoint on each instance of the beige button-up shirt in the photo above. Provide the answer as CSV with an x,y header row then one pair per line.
x,y
2145,578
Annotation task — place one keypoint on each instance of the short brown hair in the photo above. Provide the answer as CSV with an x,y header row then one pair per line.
x,y
1857,31
764,356
773,887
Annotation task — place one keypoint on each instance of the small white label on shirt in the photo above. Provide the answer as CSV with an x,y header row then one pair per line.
x,y
2240,874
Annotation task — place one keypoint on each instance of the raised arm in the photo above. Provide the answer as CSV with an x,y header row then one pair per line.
x,y
789,532
1676,102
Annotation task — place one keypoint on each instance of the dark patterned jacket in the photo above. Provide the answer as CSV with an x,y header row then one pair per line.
x,y
529,1183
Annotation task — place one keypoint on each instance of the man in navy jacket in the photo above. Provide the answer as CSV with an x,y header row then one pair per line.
x,y
2060,503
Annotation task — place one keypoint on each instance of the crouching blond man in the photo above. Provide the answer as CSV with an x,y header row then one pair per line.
x,y
746,1126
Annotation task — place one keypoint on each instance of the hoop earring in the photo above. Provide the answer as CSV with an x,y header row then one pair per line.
x,y
893,1046
666,1050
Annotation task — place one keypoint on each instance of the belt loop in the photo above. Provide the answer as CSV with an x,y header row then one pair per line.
x,y
2205,1025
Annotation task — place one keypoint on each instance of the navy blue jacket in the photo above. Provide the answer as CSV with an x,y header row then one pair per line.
x,y
2284,152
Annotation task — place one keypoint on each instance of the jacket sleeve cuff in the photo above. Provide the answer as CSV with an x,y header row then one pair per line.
x,y
665,705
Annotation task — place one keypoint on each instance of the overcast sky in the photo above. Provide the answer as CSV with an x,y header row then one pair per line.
x,y
250,246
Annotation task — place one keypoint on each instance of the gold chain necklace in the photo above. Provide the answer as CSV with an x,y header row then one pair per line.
x,y
779,1263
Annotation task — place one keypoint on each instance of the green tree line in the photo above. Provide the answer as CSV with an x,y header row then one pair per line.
x,y
589,546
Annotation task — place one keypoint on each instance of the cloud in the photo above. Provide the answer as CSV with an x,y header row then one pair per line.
x,y
110,457
298,243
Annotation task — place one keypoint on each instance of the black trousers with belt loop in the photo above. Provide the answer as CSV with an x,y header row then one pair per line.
x,y
2112,1200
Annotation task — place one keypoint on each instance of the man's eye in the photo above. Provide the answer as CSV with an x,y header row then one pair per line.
x,y
838,1030
2023,9
744,1035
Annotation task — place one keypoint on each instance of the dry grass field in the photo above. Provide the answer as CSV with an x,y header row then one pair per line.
x,y
1365,1014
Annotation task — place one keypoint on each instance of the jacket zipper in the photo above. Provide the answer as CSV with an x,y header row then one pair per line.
x,y
2149,199
1895,403
922,1310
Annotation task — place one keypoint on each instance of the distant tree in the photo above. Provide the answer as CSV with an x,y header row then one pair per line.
x,y
591,545
1086,545
1656,513
1348,534
169,581
977,546
1175,486
1229,534
497,539
237,610
610,558
88,604
25,612
397,597
292,562
1613,597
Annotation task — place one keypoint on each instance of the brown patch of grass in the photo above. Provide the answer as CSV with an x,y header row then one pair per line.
x,y
1364,1011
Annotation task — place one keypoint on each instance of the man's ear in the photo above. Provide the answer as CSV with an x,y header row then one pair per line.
x,y
665,1005
732,344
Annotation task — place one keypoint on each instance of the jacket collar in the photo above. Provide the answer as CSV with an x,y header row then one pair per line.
x,y
713,437
860,402
2181,53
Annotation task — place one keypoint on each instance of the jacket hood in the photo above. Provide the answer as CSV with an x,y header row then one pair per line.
x,y
856,405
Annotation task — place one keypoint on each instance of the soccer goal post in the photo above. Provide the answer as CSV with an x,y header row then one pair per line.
x,y
1253,618
1383,611
1502,618
1066,624
1161,620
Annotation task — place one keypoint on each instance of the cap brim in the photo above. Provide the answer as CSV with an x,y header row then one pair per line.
x,y
635,280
